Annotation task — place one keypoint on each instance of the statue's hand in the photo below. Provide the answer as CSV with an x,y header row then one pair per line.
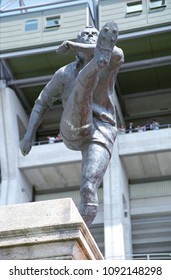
x,y
65,47
25,146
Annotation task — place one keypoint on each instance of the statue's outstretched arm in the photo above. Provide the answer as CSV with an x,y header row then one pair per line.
x,y
42,105
69,46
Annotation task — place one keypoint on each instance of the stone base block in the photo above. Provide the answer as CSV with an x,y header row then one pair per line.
x,y
50,229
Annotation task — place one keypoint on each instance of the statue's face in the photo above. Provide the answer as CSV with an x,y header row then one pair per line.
x,y
89,35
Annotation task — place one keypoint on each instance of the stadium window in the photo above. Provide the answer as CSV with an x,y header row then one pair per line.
x,y
31,25
134,7
156,4
52,22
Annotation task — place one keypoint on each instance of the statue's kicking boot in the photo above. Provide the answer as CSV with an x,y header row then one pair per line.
x,y
106,41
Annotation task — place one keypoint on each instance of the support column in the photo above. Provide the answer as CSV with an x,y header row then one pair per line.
x,y
117,224
14,187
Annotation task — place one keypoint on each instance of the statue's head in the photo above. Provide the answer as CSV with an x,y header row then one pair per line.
x,y
89,35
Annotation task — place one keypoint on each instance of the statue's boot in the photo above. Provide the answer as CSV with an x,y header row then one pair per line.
x,y
106,41
89,203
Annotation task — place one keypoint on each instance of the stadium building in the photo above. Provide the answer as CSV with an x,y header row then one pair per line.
x,y
134,218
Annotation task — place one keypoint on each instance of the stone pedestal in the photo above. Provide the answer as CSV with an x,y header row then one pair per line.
x,y
50,229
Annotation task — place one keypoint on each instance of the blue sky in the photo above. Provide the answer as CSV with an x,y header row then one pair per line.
x,y
15,4
27,2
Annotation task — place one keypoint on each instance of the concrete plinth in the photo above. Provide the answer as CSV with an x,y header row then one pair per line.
x,y
50,229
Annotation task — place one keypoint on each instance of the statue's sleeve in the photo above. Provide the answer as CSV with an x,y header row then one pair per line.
x,y
43,103
51,91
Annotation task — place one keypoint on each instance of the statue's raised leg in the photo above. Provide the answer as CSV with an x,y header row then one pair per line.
x,y
76,122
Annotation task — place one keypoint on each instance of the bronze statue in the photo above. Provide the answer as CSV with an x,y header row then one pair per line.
x,y
88,122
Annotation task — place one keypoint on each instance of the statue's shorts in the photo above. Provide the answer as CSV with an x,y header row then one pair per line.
x,y
103,133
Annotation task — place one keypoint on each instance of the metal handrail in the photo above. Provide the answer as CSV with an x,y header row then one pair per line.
x,y
143,256
37,143
151,256
162,126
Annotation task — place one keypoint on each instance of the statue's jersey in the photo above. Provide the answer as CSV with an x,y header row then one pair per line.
x,y
102,110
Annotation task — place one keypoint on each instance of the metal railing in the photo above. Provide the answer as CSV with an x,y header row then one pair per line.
x,y
142,129
43,142
143,256
152,256
38,143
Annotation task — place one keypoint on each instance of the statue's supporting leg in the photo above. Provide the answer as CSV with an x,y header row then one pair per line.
x,y
95,159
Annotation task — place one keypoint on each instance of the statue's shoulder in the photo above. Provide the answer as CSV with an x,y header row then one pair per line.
x,y
64,70
67,68
64,73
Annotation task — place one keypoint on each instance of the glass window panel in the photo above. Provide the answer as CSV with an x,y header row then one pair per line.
x,y
31,25
134,7
52,22
156,4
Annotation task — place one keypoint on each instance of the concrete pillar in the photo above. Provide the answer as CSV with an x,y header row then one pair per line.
x,y
117,224
14,187
50,229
